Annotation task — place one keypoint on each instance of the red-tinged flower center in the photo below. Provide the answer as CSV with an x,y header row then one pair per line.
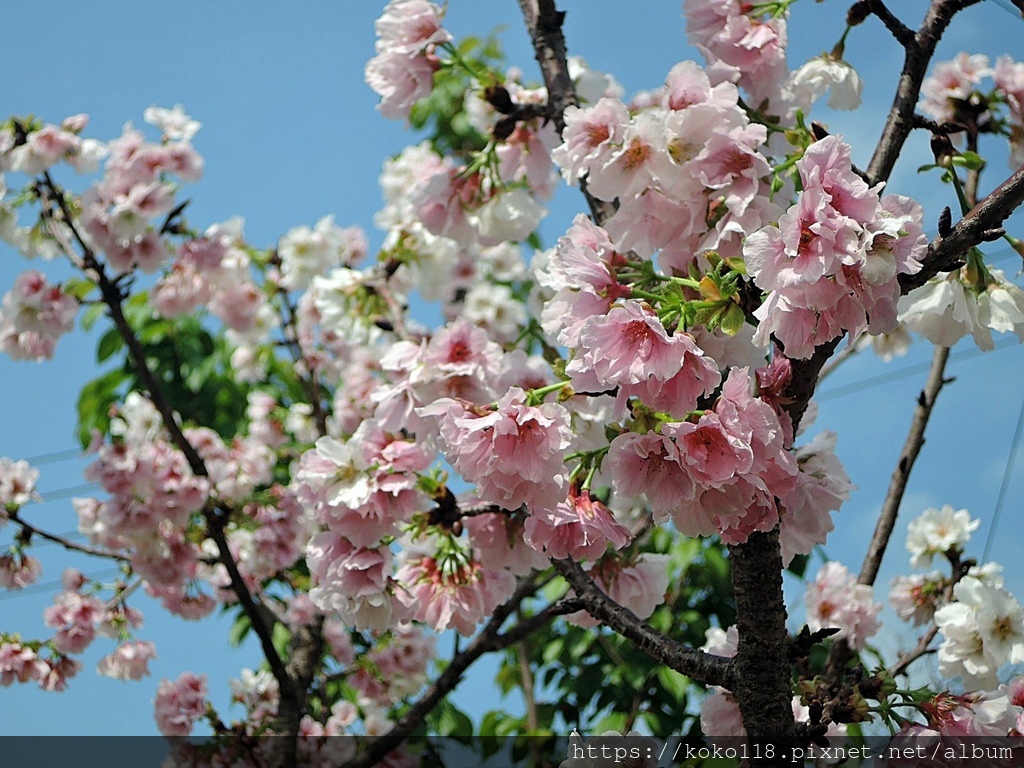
x,y
597,134
459,352
636,154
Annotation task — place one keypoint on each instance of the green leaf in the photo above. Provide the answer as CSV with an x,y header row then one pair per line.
x,y
799,565
673,682
110,344
969,160
239,629
79,288
94,403
449,720
280,636
91,315
614,721
733,319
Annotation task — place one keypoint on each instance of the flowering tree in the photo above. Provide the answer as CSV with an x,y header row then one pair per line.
x,y
594,466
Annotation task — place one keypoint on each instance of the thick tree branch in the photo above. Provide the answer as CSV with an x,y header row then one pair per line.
x,y
898,484
762,665
701,666
919,52
488,640
945,253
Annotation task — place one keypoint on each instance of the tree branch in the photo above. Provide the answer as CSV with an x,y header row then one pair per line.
x,y
701,666
898,484
945,253
921,649
14,517
904,35
486,641
919,52
762,667
544,23
112,295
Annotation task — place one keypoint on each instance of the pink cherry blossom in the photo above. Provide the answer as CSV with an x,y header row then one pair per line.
x,y
179,704
75,617
451,593
18,571
835,599
580,527
350,580
19,663
498,539
34,314
513,453
130,661
17,484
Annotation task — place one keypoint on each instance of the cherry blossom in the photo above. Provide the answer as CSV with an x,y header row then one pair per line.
x,y
836,600
937,531
513,452
180,703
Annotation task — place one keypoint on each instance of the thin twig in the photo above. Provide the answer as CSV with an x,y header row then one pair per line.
x,y
904,35
921,649
113,298
898,483
14,517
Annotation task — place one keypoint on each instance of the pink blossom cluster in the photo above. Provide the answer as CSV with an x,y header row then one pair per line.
x,y
960,721
725,470
952,92
19,664
686,172
475,209
513,451
836,600
18,570
402,72
179,703
396,667
832,262
354,583
451,589
129,661
579,527
35,313
738,46
213,271
78,618
362,487
17,484
499,539
460,361
153,495
50,145
136,188
306,253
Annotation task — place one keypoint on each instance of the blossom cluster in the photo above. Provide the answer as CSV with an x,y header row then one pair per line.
x,y
832,262
402,72
34,315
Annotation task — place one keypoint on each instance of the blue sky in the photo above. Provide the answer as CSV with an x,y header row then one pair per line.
x,y
290,134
